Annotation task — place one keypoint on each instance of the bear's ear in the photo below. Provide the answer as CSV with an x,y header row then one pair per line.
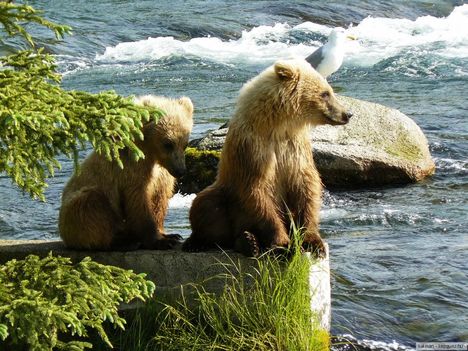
x,y
187,103
286,70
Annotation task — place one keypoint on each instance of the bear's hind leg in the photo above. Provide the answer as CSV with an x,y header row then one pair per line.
x,y
210,222
247,244
87,221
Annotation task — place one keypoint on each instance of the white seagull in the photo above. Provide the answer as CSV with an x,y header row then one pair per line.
x,y
329,57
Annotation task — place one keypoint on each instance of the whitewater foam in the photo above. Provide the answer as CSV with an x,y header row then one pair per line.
x,y
451,164
181,201
256,46
379,38
70,64
386,37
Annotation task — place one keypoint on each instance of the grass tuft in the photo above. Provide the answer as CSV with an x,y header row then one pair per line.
x,y
264,308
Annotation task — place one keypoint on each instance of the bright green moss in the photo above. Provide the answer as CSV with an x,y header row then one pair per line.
x,y
202,166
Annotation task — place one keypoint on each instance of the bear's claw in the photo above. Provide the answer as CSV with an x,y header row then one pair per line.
x,y
315,246
247,244
177,237
167,242
191,246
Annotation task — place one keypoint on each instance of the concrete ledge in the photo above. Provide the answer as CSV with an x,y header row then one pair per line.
x,y
171,269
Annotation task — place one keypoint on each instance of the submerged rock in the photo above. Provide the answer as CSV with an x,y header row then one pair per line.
x,y
380,146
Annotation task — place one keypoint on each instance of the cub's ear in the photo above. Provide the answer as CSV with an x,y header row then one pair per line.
x,y
286,70
187,103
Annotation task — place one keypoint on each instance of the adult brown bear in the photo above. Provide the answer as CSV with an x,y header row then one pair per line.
x,y
266,175
105,207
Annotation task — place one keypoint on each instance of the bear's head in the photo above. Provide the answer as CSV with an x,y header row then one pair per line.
x,y
288,95
165,141
314,97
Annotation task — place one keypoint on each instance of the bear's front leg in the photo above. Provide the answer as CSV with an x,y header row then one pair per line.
x,y
143,227
151,238
304,202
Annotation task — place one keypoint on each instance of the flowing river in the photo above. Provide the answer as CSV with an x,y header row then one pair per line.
x,y
399,255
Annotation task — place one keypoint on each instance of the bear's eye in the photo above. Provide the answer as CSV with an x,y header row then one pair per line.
x,y
325,95
169,145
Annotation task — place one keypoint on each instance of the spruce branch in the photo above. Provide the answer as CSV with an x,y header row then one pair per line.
x,y
40,121
42,300
12,17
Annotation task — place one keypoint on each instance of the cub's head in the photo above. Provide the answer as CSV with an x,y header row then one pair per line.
x,y
311,97
165,141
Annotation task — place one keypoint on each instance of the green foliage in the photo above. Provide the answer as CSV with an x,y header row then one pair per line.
x,y
271,314
267,308
12,15
39,120
43,301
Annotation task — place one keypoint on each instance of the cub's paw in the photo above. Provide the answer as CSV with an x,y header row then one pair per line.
x,y
166,242
177,237
314,244
190,245
247,244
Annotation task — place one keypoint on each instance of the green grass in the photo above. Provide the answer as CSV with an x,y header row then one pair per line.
x,y
267,310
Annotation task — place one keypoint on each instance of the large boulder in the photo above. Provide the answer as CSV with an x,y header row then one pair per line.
x,y
379,147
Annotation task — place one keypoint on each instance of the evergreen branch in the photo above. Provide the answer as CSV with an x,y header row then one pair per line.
x,y
60,298
11,16
39,121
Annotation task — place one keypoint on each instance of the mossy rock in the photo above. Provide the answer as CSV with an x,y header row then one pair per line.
x,y
379,147
202,166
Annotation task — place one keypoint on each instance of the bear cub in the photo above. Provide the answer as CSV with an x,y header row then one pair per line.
x,y
105,207
266,175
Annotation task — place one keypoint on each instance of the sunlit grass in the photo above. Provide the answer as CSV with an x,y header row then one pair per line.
x,y
261,308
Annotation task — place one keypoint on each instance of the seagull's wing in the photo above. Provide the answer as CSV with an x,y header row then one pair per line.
x,y
316,57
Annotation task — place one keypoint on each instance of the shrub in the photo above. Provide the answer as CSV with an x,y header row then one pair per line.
x,y
49,303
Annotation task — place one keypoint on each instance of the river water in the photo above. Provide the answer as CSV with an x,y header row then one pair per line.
x,y
399,255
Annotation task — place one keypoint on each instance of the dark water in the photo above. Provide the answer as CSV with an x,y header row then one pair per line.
x,y
399,255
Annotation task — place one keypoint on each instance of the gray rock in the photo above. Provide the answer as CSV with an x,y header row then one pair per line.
x,y
380,146
213,140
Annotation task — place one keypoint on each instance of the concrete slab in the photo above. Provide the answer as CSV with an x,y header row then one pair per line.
x,y
172,269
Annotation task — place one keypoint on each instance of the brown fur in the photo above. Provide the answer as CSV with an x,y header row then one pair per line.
x,y
266,172
105,207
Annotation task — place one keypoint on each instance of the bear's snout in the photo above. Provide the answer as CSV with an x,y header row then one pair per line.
x,y
338,118
346,116
178,171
